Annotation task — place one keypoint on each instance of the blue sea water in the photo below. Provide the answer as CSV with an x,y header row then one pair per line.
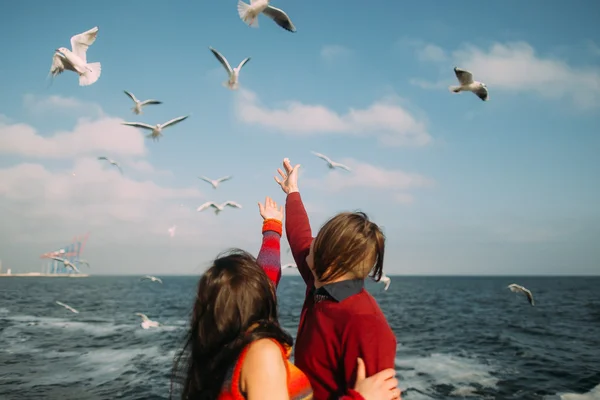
x,y
458,337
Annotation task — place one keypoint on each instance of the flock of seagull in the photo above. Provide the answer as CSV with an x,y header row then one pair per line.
x,y
76,60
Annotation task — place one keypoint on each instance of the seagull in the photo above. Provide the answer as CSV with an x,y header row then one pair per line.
x,y
216,182
112,162
76,60
234,74
152,278
67,307
465,78
82,262
156,129
147,322
331,164
171,230
386,280
289,266
218,207
518,288
66,263
249,14
137,109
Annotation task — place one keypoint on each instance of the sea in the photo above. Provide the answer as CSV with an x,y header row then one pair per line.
x,y
458,337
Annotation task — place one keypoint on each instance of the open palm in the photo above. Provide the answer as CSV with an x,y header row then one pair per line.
x,y
269,210
289,179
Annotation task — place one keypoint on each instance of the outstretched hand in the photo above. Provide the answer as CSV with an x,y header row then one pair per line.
x,y
269,210
381,386
289,179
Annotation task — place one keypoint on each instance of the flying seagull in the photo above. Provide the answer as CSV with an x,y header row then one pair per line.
x,y
76,60
82,262
331,164
518,288
249,14
234,74
218,207
151,278
215,182
171,230
67,307
156,129
289,266
112,162
137,109
386,281
147,322
66,263
467,84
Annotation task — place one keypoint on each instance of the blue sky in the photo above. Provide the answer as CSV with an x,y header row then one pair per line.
x,y
509,186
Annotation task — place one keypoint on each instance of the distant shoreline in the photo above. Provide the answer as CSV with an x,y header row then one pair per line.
x,y
40,275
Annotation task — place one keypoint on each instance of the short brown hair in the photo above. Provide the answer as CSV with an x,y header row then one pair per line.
x,y
349,243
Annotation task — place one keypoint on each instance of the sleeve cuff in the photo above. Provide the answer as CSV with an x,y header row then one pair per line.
x,y
272,225
353,394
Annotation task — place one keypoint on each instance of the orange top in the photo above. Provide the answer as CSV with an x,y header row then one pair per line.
x,y
298,385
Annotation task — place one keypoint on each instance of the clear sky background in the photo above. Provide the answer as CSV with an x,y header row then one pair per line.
x,y
461,186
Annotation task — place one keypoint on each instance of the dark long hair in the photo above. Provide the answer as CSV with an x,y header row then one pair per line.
x,y
234,294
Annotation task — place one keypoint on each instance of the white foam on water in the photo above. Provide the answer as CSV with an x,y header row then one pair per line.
x,y
98,328
4,311
593,394
464,374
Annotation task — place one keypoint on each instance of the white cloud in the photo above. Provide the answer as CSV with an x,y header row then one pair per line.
x,y
431,52
516,67
334,52
364,175
104,135
386,119
52,104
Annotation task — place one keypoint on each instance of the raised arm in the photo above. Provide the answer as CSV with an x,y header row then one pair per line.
x,y
269,256
297,229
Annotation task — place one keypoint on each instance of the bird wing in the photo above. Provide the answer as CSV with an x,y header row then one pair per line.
x,y
143,316
81,42
158,280
322,156
222,60
482,93
174,121
464,76
131,96
118,166
205,179
232,204
103,158
342,166
150,101
58,65
138,125
58,259
225,178
280,18
206,205
239,67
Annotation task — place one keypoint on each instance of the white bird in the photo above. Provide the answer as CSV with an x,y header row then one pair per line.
x,y
467,84
137,109
215,182
218,207
234,74
82,262
76,60
518,288
147,322
156,129
386,281
171,230
67,307
331,164
112,162
151,278
289,266
66,263
249,14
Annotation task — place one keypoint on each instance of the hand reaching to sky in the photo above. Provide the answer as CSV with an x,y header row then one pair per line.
x,y
269,210
289,179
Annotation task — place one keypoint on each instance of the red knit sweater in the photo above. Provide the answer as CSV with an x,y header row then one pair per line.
x,y
333,334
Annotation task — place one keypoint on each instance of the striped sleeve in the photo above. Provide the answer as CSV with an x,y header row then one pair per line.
x,y
269,257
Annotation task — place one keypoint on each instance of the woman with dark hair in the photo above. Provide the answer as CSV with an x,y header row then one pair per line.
x,y
235,347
